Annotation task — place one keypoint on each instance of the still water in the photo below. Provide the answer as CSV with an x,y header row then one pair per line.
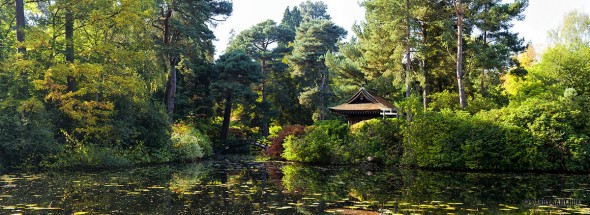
x,y
240,185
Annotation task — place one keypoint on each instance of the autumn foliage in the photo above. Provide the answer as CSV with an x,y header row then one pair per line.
x,y
276,148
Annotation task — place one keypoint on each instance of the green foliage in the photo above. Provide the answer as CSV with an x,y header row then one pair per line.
x,y
77,155
274,130
291,18
315,147
558,128
190,144
479,103
444,100
573,32
313,40
319,145
374,140
533,135
313,11
435,140
236,71
26,138
259,42
276,148
331,141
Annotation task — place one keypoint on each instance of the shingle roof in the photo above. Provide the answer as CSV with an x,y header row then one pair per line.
x,y
364,101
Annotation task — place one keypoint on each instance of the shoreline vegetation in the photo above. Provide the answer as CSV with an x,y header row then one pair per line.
x,y
107,84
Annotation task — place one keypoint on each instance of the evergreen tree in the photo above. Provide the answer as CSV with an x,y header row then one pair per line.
x,y
184,32
236,72
258,42
312,41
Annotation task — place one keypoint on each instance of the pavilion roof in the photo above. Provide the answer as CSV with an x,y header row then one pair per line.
x,y
363,101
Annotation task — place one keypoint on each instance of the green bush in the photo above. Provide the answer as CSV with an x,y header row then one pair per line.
x,y
319,144
457,140
189,143
276,148
274,130
444,100
374,140
332,141
558,128
89,156
435,140
495,147
315,147
532,134
26,138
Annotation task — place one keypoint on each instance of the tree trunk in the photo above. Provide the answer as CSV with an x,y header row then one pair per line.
x,y
408,62
482,82
426,90
170,66
20,25
265,111
322,94
69,32
170,89
459,10
483,71
226,117
20,37
426,84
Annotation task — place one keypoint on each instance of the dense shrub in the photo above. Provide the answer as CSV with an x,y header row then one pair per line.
x,y
74,154
319,144
444,100
315,147
276,148
435,140
374,140
332,141
495,147
457,140
534,134
274,130
26,133
558,128
189,143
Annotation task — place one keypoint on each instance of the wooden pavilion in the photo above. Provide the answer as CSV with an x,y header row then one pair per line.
x,y
364,105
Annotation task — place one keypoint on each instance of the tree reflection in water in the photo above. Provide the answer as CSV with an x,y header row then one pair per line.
x,y
239,185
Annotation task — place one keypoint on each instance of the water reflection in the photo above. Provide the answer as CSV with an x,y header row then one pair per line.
x,y
238,185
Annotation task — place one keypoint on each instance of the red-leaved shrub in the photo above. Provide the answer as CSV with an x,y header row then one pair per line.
x,y
276,148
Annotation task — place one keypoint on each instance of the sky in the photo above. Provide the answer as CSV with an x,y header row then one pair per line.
x,y
247,13
540,17
545,15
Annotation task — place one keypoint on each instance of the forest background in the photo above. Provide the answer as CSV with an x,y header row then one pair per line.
x,y
113,83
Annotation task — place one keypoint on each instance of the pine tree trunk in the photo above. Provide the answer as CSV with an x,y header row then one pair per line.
x,y
171,67
482,82
20,25
426,90
322,94
20,37
226,117
459,10
265,111
408,60
171,89
69,33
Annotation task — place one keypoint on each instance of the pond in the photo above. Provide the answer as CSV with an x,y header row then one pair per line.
x,y
241,185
